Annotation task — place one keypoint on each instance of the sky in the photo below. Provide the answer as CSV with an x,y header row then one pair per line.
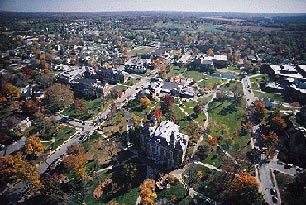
x,y
248,6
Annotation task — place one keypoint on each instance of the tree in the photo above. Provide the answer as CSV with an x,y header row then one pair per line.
x,y
27,71
198,109
260,110
76,160
210,52
213,140
79,105
269,139
29,106
59,96
209,86
45,79
129,172
9,90
166,103
244,189
13,167
158,114
147,193
135,120
145,101
52,188
33,146
278,123
193,130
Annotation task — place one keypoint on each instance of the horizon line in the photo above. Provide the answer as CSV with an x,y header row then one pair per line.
x,y
161,11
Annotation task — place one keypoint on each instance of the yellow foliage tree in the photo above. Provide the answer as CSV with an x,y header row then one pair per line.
x,y
243,182
33,146
145,101
147,193
13,167
9,90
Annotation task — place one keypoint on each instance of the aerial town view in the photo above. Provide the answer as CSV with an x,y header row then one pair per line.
x,y
144,102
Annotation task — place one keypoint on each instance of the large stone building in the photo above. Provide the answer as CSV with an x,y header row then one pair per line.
x,y
164,144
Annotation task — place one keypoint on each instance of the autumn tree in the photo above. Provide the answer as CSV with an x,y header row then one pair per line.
x,y
33,147
145,101
52,189
244,189
260,110
212,140
45,79
209,86
158,114
79,105
269,139
166,103
135,120
9,90
59,96
277,123
14,167
147,193
210,52
76,160
29,106
198,109
193,130
27,72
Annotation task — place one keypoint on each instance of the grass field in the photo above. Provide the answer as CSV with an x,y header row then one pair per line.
x,y
272,96
92,108
63,134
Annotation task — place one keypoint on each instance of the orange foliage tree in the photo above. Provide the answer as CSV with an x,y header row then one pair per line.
x,y
269,139
260,110
145,101
158,114
76,160
147,193
13,167
33,146
212,140
245,188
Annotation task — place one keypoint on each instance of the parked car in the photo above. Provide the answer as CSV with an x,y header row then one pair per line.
x,y
272,191
274,199
287,166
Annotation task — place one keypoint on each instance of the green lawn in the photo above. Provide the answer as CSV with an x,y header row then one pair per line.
x,y
92,108
272,96
210,79
175,71
177,190
213,158
128,198
141,51
196,75
233,68
63,134
131,82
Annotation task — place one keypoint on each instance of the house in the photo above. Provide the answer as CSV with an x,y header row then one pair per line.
x,y
164,144
24,124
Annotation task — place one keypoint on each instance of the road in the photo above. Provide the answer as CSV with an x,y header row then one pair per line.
x,y
13,147
264,172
